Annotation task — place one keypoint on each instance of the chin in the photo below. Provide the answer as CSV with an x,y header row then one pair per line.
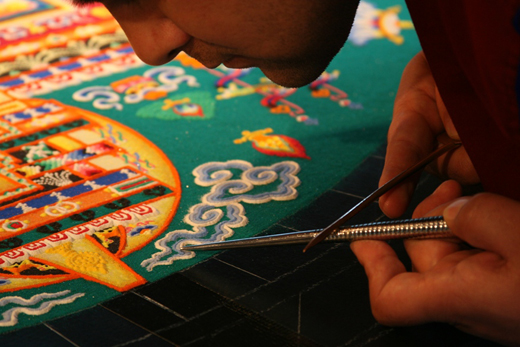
x,y
300,72
293,78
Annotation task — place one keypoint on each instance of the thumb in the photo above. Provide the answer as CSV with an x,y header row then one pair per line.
x,y
486,221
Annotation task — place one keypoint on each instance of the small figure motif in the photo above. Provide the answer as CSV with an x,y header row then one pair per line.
x,y
278,145
373,23
146,86
322,88
195,105
183,107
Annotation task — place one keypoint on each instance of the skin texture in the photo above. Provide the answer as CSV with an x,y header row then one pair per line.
x,y
472,287
292,41
288,40
420,122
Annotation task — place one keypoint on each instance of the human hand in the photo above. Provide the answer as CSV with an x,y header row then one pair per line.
x,y
475,289
420,123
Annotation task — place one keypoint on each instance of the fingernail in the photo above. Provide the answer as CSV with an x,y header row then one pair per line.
x,y
395,204
451,212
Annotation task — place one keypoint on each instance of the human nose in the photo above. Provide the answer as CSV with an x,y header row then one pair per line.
x,y
154,37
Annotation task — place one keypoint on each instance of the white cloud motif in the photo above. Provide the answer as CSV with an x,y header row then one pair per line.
x,y
47,302
221,210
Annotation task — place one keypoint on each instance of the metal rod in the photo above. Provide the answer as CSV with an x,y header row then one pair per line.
x,y
379,192
419,228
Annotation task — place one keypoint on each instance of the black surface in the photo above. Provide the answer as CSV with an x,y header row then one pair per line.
x,y
97,327
143,312
274,296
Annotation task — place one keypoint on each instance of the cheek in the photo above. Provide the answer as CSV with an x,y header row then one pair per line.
x,y
235,24
152,35
264,29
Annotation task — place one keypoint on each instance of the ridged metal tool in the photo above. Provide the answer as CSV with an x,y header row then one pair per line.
x,y
334,227
419,228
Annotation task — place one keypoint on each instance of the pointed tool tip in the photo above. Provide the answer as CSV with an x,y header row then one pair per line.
x,y
312,243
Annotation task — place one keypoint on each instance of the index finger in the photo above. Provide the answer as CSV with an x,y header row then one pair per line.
x,y
412,135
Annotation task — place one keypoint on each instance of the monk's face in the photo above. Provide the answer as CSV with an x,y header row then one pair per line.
x,y
291,41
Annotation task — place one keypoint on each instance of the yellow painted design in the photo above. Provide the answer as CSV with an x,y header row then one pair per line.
x,y
108,162
29,170
42,121
155,94
11,7
11,107
137,88
60,208
320,93
90,260
137,241
262,140
169,104
84,262
186,60
4,97
232,91
17,269
88,137
278,109
65,143
390,24
101,12
7,184
106,235
82,256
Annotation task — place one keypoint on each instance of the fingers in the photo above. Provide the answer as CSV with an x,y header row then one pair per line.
x,y
431,206
455,164
420,123
392,300
398,158
425,254
379,261
449,128
486,221
412,134
475,289
397,296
